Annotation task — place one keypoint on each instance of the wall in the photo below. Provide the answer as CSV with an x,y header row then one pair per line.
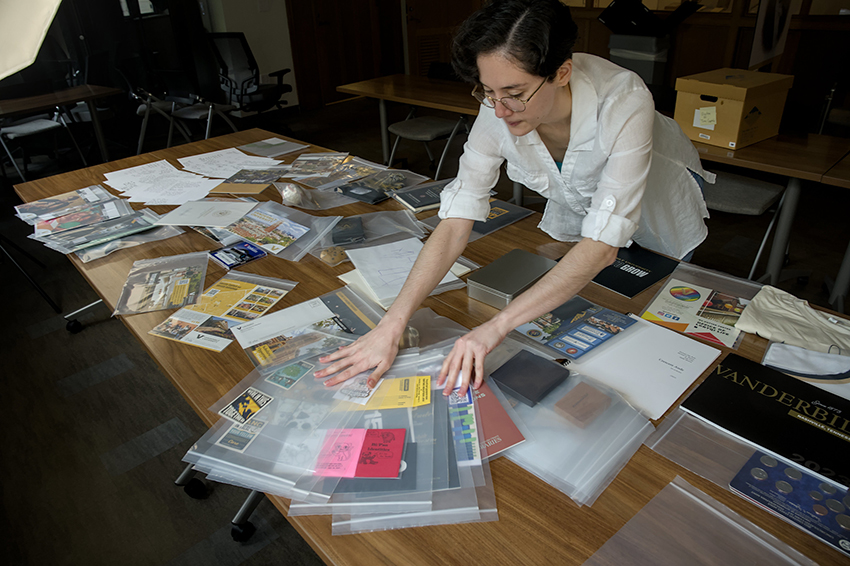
x,y
265,25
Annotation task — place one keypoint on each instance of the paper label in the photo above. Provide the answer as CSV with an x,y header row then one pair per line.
x,y
705,118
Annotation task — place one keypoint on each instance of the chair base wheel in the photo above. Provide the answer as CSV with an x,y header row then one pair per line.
x,y
197,489
74,326
243,532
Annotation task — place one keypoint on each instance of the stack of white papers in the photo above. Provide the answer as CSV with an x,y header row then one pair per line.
x,y
225,163
382,270
159,183
207,213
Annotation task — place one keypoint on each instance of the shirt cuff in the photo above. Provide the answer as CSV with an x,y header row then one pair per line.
x,y
604,226
458,203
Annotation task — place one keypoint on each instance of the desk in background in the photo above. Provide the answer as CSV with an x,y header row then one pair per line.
x,y
83,93
415,91
537,523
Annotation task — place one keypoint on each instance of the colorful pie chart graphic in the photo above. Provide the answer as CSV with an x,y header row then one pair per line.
x,y
684,294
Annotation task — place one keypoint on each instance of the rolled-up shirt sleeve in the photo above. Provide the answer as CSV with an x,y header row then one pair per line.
x,y
478,171
616,203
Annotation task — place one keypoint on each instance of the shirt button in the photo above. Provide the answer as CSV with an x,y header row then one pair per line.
x,y
609,203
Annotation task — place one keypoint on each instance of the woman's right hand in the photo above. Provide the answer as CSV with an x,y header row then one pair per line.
x,y
375,349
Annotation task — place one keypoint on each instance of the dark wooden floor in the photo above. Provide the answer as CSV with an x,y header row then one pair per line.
x,y
95,432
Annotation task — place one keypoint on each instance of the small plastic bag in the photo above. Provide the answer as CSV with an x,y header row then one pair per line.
x,y
378,228
292,194
153,235
163,283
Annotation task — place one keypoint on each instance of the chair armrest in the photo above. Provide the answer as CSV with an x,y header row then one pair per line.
x,y
279,75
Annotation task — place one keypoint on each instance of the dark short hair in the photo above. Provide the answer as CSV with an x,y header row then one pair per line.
x,y
538,35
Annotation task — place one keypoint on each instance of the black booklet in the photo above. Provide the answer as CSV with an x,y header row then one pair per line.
x,y
782,414
348,231
422,197
363,193
529,378
501,214
635,269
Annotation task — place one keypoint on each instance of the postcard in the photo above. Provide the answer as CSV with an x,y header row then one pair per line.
x,y
246,406
268,230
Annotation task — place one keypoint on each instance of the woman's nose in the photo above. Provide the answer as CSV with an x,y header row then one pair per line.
x,y
502,111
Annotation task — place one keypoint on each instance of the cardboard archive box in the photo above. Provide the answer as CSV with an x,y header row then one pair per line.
x,y
731,108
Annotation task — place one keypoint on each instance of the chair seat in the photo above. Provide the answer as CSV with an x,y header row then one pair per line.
x,y
424,128
199,111
741,195
29,128
163,105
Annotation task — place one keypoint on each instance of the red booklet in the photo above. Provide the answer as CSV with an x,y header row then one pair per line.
x,y
362,453
498,431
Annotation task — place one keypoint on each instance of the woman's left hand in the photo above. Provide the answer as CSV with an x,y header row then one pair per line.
x,y
467,358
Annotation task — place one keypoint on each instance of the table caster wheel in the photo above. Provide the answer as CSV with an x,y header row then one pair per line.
x,y
243,532
74,326
197,489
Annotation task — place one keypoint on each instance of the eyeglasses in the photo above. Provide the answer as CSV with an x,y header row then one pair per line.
x,y
512,103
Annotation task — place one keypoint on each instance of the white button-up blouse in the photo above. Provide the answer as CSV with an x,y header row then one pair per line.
x,y
624,176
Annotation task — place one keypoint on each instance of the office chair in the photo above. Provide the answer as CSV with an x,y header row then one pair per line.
x,y
240,75
20,129
738,194
188,106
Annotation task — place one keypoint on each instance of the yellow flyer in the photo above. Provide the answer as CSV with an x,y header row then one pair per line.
x,y
404,392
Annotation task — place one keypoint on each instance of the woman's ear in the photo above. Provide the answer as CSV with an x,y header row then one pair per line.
x,y
564,72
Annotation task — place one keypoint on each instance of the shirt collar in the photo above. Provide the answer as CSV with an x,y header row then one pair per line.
x,y
583,115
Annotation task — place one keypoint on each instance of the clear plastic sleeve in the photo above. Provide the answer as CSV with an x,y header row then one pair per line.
x,y
683,525
354,168
378,227
152,235
163,283
319,228
84,237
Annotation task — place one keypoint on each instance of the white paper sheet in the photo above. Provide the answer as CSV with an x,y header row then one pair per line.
x,y
385,267
649,365
225,163
206,213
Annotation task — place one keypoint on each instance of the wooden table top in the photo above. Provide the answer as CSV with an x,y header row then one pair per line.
x,y
806,157
418,91
537,523
839,176
29,104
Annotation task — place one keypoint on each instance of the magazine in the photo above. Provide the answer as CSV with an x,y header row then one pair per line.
x,y
698,311
83,237
576,327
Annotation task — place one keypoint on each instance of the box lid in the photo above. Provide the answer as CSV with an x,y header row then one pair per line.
x,y
734,84
512,273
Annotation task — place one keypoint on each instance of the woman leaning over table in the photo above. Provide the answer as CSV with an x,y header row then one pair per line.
x,y
576,129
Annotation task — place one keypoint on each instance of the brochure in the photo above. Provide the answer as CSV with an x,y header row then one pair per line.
x,y
237,254
361,453
501,214
60,205
635,270
576,327
269,230
311,164
232,300
698,311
